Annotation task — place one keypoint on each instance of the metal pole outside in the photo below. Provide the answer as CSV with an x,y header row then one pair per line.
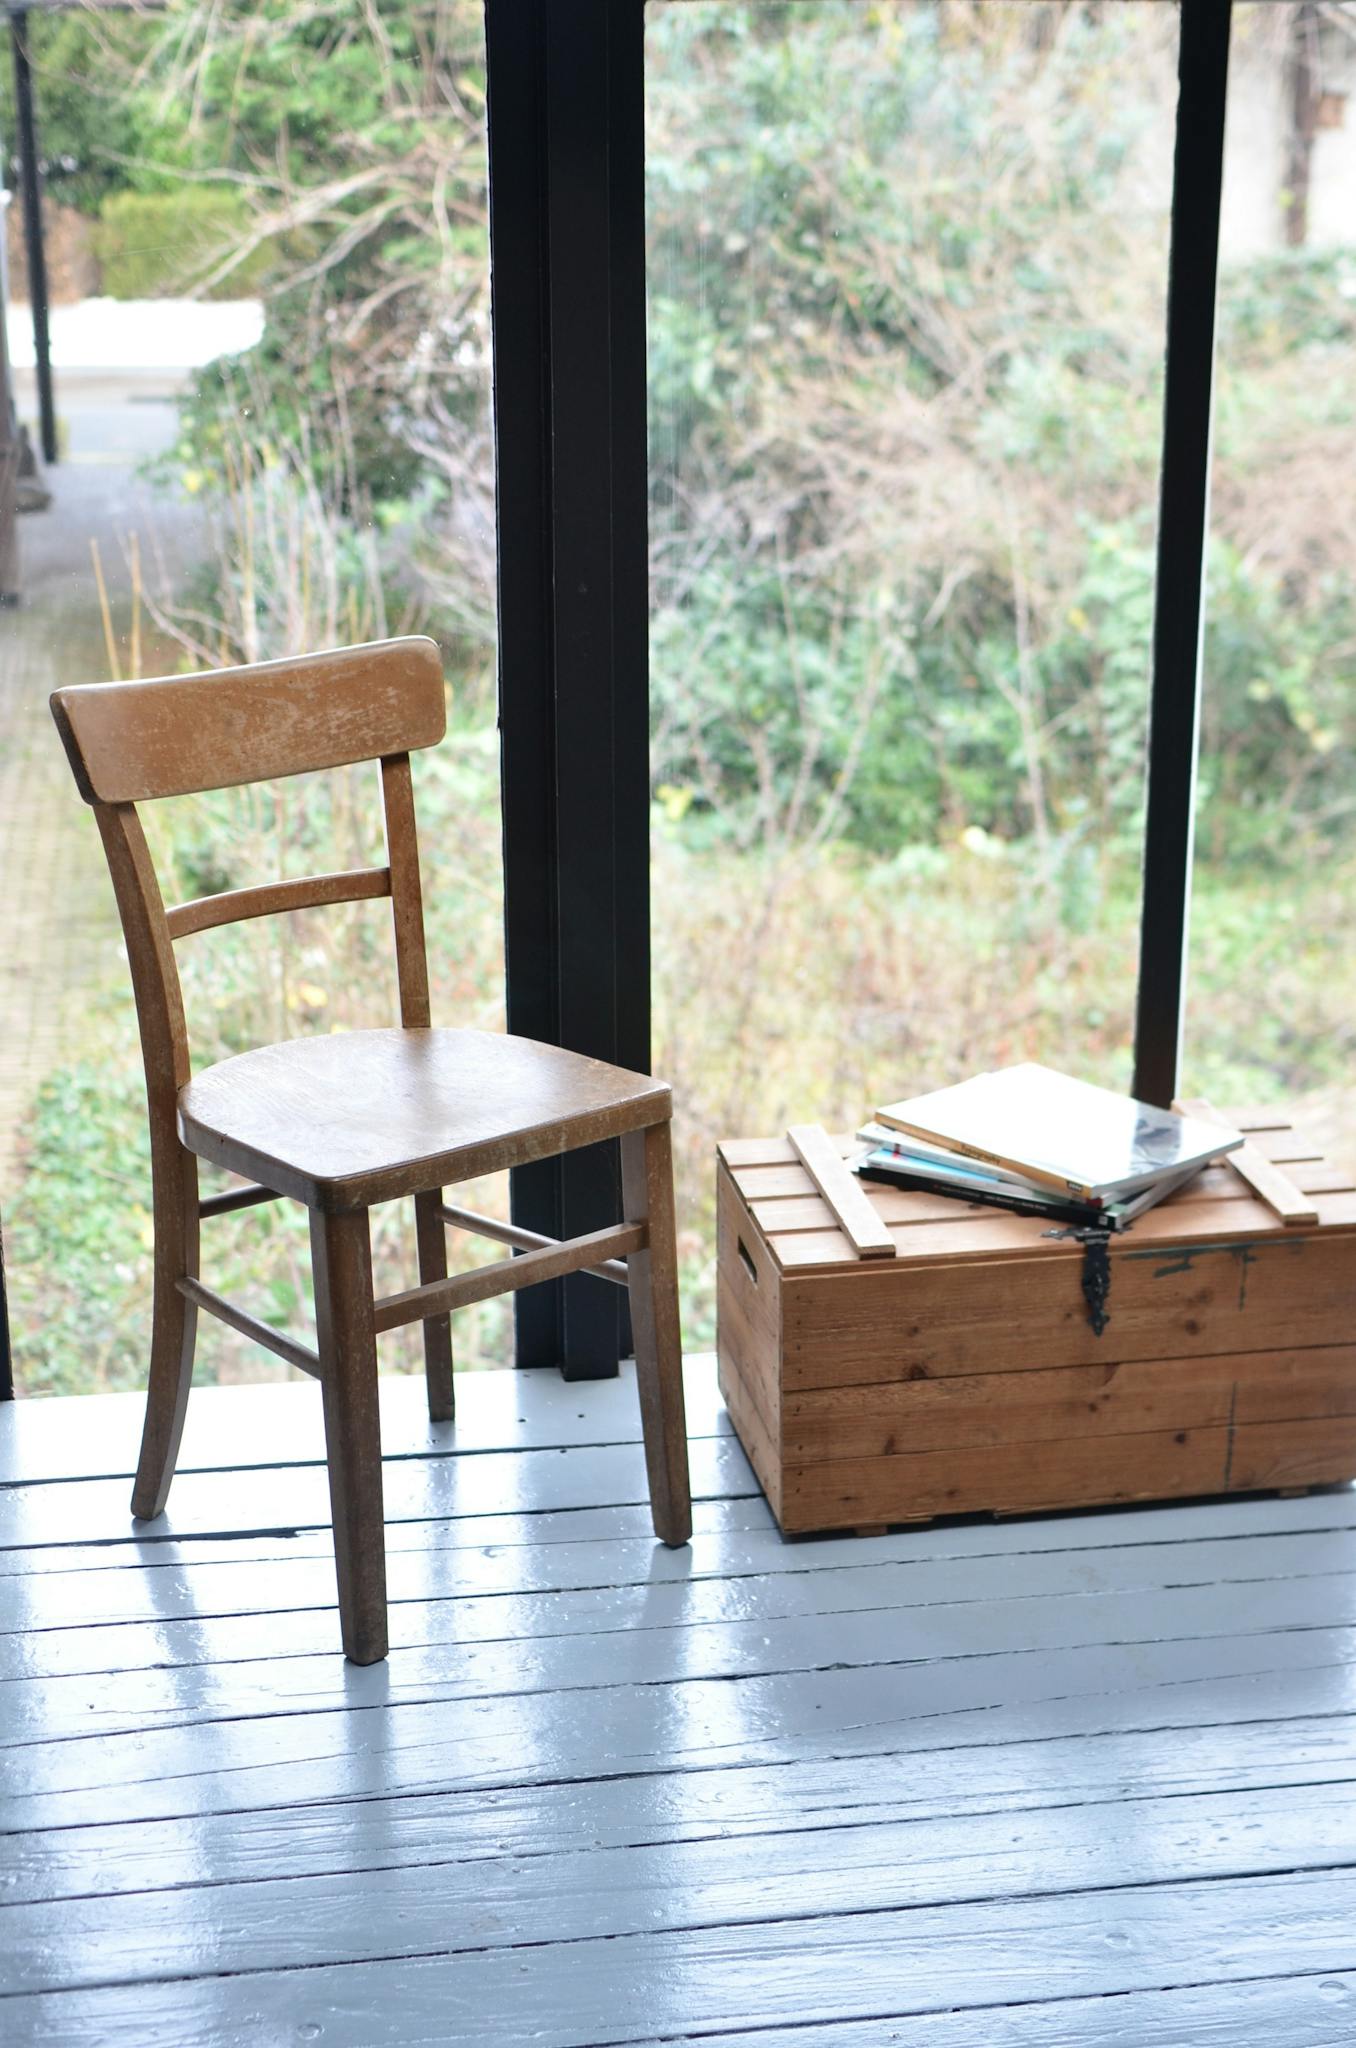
x,y
34,244
9,433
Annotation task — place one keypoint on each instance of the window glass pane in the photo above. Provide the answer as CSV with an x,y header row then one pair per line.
x,y
907,273
267,244
1273,943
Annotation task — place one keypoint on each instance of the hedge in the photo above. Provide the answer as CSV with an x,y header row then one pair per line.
x,y
157,245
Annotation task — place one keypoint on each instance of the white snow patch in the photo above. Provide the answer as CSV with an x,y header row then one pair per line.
x,y
140,334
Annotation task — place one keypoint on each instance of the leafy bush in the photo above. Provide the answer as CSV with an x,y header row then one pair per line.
x,y
154,245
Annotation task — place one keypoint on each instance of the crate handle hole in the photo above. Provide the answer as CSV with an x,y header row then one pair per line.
x,y
749,1266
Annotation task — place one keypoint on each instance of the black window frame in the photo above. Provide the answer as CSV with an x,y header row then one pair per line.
x,y
567,223
566,93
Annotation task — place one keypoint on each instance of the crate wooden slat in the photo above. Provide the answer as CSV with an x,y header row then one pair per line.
x,y
963,1374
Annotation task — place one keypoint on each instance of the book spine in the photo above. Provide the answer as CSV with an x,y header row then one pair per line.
x,y
1075,1190
917,1155
1052,1211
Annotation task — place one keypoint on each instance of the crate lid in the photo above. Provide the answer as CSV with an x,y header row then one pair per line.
x,y
1217,1208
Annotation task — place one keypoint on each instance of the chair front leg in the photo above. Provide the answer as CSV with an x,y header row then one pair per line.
x,y
174,1324
341,1261
431,1233
652,1276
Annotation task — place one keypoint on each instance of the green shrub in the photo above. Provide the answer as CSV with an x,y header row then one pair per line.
x,y
157,245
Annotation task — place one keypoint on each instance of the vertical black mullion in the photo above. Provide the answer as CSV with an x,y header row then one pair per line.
x,y
567,236
520,274
34,247
578,214
596,86
1174,715
630,483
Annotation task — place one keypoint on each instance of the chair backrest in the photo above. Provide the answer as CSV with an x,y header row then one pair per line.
x,y
131,742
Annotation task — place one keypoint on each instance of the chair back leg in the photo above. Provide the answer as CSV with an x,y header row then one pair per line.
x,y
174,1330
341,1260
652,1283
431,1232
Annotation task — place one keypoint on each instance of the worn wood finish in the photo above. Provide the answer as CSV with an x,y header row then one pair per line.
x,y
522,1240
341,1123
1261,1174
341,1259
1026,1478
978,1315
269,899
174,1171
966,1374
761,1446
1014,1238
647,1193
1121,1398
574,1255
431,1240
129,742
229,1312
1084,1782
842,1192
422,1109
230,1199
407,904
749,1320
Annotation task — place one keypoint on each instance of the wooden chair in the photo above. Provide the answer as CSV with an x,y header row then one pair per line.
x,y
355,1118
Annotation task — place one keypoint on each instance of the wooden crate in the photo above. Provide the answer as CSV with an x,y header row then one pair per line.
x,y
964,1374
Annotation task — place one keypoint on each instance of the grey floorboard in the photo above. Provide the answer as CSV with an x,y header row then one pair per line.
x,y
191,1671
416,1489
596,1992
540,1529
499,1589
1239,1521
372,1747
443,1901
1070,1780
244,1428
1087,1774
1280,2012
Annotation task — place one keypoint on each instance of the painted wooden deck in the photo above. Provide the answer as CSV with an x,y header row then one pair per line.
x,y
1086,1780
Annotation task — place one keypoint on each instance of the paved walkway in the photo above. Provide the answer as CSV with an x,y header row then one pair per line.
x,y
60,928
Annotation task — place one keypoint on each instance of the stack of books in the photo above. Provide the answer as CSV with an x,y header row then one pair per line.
x,y
1028,1139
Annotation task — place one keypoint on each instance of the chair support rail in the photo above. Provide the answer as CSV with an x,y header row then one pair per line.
x,y
550,1261
245,1197
523,1240
266,899
240,1319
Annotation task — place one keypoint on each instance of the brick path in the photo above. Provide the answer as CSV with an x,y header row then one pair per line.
x,y
59,928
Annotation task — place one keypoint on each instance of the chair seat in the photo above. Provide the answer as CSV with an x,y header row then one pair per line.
x,y
358,1117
